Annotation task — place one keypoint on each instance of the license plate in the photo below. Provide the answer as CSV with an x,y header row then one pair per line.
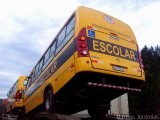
x,y
118,68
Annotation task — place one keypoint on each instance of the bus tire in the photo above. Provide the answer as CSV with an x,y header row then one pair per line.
x,y
97,108
11,111
49,103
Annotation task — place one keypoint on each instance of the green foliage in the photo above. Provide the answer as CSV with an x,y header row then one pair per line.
x,y
148,101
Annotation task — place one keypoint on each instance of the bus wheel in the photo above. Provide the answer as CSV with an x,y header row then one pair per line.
x,y
98,107
10,112
49,101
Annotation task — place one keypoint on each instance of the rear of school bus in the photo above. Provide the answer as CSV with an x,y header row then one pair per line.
x,y
16,99
107,61
99,62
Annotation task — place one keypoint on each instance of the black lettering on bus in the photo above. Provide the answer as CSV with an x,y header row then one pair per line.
x,y
46,74
112,49
53,68
49,72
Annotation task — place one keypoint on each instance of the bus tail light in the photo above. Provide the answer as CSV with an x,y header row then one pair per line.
x,y
84,52
18,96
82,38
82,45
140,58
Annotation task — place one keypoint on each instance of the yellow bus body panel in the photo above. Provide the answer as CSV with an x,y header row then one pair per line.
x,y
12,104
117,36
57,80
88,17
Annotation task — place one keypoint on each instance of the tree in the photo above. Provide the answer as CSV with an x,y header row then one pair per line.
x,y
148,100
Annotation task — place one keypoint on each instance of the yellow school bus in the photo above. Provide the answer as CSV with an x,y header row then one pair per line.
x,y
16,96
93,59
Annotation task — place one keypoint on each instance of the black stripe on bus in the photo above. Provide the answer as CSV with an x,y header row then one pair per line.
x,y
108,48
67,53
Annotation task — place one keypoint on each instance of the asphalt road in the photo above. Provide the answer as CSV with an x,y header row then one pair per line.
x,y
46,116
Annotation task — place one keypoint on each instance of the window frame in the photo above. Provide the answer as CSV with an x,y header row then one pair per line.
x,y
72,18
63,30
36,69
46,53
66,35
54,43
41,64
32,78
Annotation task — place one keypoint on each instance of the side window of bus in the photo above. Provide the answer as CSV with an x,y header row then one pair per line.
x,y
70,26
13,88
61,36
47,58
53,47
40,64
38,69
32,77
69,33
51,55
30,80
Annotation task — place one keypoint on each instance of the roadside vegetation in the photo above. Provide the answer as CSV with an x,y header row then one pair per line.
x,y
148,101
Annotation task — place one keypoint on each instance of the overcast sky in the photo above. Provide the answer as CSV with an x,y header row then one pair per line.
x,y
27,27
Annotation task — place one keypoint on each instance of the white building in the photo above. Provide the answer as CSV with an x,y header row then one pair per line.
x,y
120,105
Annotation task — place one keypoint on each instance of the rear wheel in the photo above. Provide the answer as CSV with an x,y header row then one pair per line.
x,y
11,111
49,103
98,107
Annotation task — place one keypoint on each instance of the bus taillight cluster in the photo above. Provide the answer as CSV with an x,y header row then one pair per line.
x,y
140,58
18,96
82,46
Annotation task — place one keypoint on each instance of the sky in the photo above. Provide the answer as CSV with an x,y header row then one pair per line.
x,y
27,27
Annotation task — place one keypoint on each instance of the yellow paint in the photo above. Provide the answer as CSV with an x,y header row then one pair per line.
x,y
12,104
89,17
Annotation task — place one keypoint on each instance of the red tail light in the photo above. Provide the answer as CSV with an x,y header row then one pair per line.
x,y
18,96
140,58
82,45
82,38
5,102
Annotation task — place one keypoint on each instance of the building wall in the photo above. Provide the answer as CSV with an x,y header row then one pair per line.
x,y
120,105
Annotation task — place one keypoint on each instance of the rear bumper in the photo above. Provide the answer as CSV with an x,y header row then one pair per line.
x,y
84,64
91,84
18,105
87,84
15,106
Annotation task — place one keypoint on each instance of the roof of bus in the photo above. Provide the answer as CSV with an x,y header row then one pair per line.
x,y
103,22
21,80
